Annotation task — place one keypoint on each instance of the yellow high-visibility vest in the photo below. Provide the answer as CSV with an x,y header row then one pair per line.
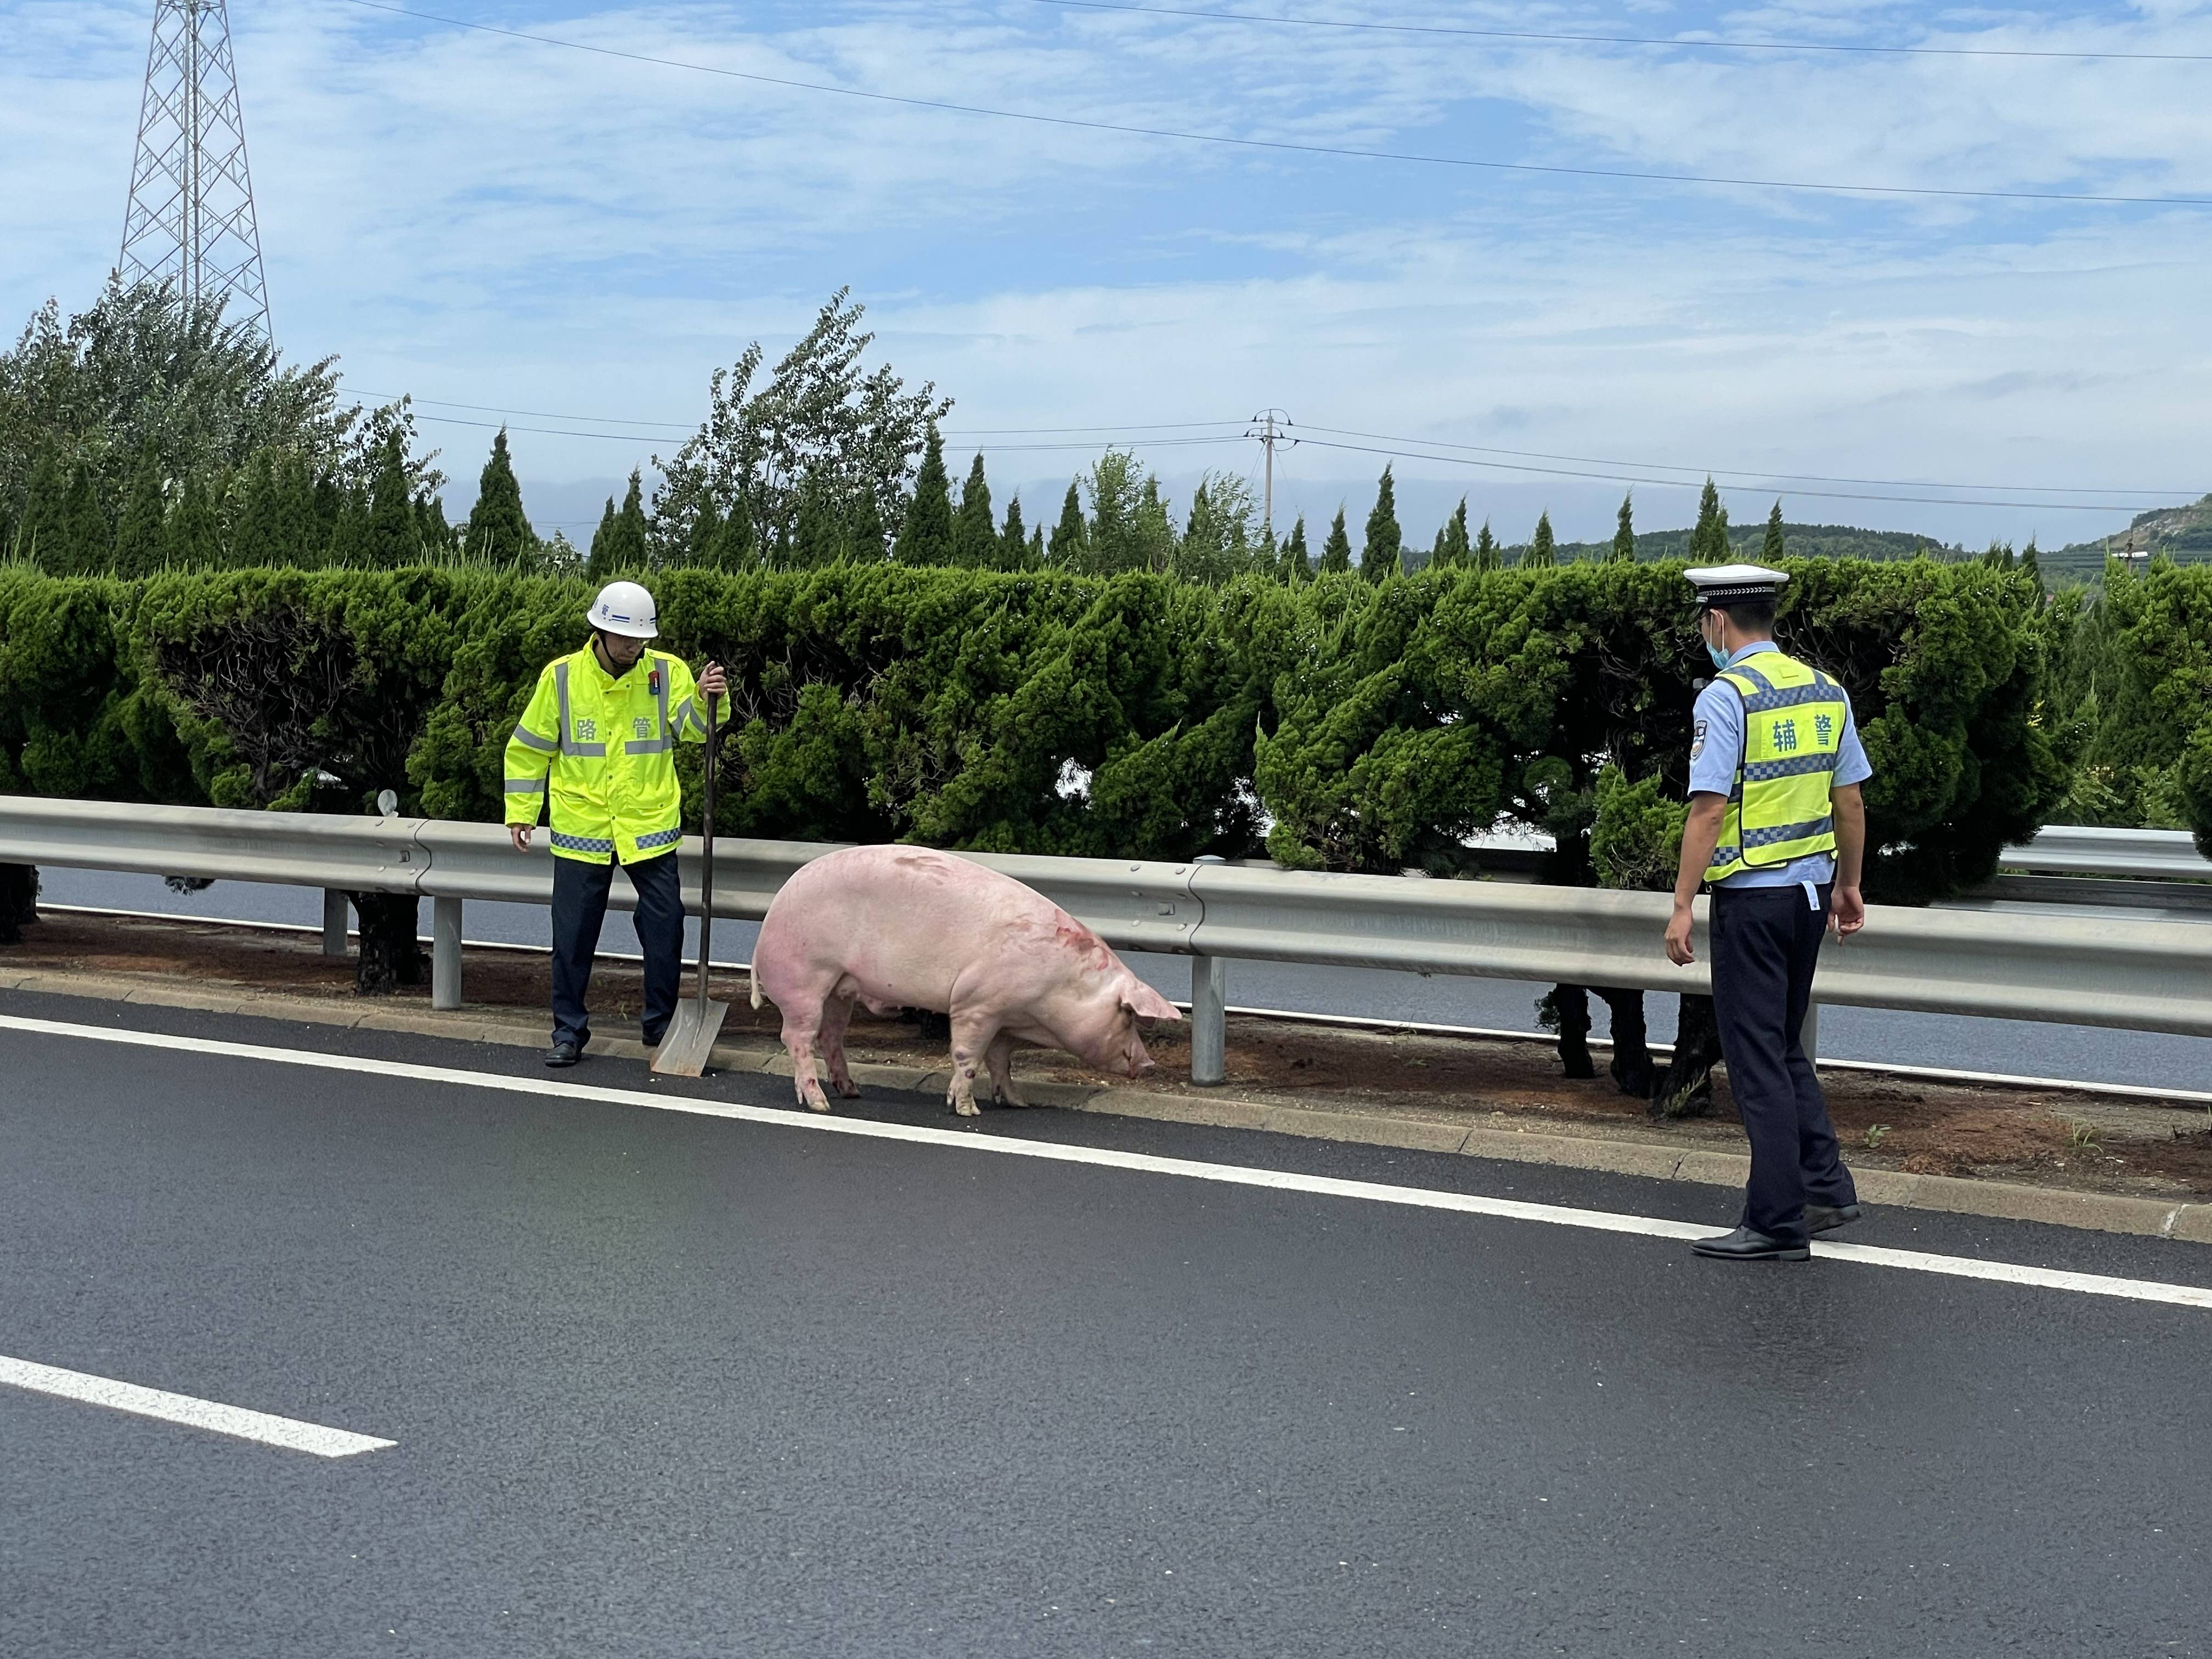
x,y
1793,735
599,754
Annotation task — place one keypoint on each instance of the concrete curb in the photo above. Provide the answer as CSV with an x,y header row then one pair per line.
x,y
1892,1189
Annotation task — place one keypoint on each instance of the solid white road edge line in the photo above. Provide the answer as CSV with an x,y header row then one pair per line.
x,y
1372,1192
235,1420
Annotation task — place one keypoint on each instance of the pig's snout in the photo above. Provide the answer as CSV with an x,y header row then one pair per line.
x,y
1136,1062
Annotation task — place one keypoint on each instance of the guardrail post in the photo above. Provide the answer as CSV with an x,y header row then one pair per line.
x,y
1209,1004
336,909
1808,1033
445,953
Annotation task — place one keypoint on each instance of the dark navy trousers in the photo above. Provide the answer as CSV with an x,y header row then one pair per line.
x,y
579,906
1765,942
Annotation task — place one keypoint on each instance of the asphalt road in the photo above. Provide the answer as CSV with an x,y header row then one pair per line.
x,y
672,1384
2145,1059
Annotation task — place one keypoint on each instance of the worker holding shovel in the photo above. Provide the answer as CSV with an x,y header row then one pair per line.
x,y
596,750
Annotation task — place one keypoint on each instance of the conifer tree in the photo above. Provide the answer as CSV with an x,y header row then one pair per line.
x,y
2029,564
260,538
1439,558
1014,539
1624,533
863,529
1155,537
141,544
1382,557
391,537
349,543
706,530
85,545
735,546
619,545
1336,550
1708,539
1035,559
925,538
434,532
327,506
1069,535
39,534
1486,556
817,538
1770,551
1296,563
1542,552
600,559
498,528
195,532
975,530
1457,551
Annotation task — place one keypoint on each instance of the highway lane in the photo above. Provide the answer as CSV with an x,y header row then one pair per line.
x,y
2143,1058
669,1384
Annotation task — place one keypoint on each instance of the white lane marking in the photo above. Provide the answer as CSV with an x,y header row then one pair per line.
x,y
1372,1192
285,1431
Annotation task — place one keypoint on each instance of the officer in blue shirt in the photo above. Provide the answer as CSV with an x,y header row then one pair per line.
x,y
1777,827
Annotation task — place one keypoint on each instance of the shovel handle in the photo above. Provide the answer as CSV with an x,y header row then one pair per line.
x,y
706,862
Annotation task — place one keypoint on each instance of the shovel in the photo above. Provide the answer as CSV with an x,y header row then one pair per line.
x,y
690,1036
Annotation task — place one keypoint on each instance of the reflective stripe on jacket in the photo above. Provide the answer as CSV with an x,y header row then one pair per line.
x,y
599,755
1793,730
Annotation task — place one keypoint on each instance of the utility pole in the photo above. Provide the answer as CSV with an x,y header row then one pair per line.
x,y
190,220
1268,426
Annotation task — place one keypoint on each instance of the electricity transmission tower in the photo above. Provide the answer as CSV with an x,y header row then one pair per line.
x,y
1267,427
191,219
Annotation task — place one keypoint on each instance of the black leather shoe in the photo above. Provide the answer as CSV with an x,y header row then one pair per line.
x,y
1825,1218
1745,1245
563,1053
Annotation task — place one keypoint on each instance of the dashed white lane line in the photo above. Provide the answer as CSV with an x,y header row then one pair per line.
x,y
1371,1192
235,1420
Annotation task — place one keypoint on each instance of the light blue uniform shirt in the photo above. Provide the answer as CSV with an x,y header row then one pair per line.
x,y
1716,750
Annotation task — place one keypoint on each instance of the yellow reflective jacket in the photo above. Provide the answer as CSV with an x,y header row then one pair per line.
x,y
1793,735
600,753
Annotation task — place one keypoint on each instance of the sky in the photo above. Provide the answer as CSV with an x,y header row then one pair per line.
x,y
571,241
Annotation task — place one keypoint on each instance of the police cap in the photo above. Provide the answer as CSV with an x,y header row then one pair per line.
x,y
1734,584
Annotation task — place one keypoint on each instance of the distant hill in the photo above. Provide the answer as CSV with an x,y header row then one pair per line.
x,y
2182,532
1804,541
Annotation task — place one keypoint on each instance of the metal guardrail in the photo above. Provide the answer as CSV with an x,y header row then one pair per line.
x,y
2139,976
2068,849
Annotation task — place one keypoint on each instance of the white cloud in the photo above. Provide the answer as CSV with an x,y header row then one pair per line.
x,y
487,220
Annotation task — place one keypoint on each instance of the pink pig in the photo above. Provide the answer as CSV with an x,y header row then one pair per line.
x,y
893,927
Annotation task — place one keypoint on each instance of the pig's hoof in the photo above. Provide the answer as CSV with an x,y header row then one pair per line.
x,y
1008,1097
822,1105
967,1108
849,1091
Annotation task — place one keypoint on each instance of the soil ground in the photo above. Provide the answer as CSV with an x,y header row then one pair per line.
x,y
2049,1138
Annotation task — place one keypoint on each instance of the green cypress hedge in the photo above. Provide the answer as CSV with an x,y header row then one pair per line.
x,y
1342,725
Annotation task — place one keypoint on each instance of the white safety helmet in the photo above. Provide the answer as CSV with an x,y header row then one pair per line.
x,y
626,608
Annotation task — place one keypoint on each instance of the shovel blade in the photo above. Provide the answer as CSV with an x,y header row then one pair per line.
x,y
689,1039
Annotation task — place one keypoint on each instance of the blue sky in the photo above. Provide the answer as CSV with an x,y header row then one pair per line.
x,y
489,220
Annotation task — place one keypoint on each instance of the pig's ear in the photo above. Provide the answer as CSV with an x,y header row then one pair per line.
x,y
1140,1000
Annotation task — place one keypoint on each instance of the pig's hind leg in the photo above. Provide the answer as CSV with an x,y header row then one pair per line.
x,y
999,1056
804,1019
834,1015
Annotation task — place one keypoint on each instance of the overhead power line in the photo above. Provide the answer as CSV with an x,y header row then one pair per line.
x,y
693,426
2074,56
1236,437
1622,471
1409,453
1284,146
1741,472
